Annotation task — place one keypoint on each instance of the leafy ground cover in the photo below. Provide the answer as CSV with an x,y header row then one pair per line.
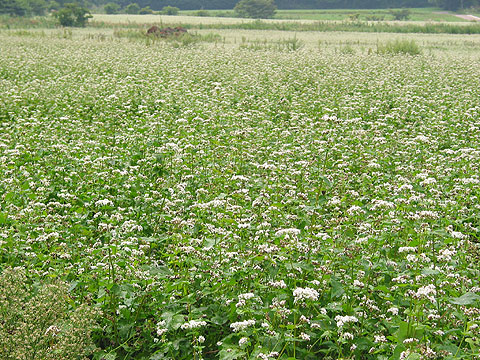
x,y
226,203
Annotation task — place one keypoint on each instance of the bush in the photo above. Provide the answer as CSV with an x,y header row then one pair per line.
x,y
38,324
145,11
402,14
399,47
255,9
170,10
111,8
73,15
133,8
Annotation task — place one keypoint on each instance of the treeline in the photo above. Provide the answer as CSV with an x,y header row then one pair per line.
x,y
300,4
40,7
281,4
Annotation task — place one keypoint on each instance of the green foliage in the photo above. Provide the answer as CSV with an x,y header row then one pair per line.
x,y
132,8
170,10
400,14
53,5
202,13
256,9
145,11
111,8
73,15
398,46
453,5
38,323
23,7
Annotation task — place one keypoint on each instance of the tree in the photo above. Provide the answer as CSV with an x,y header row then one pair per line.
x,y
73,15
256,9
132,8
12,7
53,5
146,10
170,10
451,5
111,8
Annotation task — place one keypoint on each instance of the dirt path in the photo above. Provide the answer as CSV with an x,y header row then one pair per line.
x,y
468,17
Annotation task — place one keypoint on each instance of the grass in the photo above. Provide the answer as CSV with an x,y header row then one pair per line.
x,y
109,21
227,201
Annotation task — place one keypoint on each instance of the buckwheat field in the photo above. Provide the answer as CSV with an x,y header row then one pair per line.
x,y
308,198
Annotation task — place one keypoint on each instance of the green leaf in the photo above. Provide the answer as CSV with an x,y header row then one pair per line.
x,y
466,299
430,272
231,354
402,332
337,289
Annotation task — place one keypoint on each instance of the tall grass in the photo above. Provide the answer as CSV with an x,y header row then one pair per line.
x,y
399,47
323,26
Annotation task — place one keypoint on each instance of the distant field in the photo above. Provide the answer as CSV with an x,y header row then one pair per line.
x,y
424,14
301,25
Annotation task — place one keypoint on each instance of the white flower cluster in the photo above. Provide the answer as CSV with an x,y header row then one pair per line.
x,y
403,249
104,202
301,294
446,254
272,355
294,232
161,329
278,284
428,292
193,324
242,298
342,320
241,325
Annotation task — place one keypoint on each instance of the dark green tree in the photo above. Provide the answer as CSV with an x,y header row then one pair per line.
x,y
146,10
256,9
111,8
53,5
132,8
454,5
73,14
170,10
13,7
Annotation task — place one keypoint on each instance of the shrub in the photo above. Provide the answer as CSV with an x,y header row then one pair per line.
x,y
39,324
170,10
256,9
145,11
402,14
133,8
399,47
73,15
111,8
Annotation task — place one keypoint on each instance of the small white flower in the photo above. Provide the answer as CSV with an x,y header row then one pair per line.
x,y
242,341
